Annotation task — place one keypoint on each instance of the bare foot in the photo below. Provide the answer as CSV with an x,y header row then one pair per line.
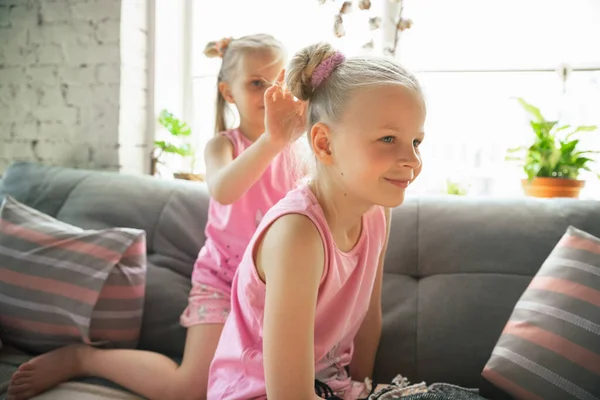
x,y
46,371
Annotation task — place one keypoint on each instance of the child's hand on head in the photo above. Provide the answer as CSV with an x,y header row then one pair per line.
x,y
285,117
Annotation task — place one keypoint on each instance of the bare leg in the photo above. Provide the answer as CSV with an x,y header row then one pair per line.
x,y
149,374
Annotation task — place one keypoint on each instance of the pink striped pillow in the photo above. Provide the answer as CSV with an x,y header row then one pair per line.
x,y
550,347
60,284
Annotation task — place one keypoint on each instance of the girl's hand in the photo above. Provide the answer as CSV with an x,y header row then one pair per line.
x,y
285,117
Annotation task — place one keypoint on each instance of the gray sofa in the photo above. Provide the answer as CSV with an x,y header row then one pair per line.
x,y
455,266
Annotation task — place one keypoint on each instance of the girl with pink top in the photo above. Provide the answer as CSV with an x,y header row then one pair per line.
x,y
248,170
306,316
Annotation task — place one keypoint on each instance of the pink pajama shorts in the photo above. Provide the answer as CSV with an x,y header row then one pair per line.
x,y
206,305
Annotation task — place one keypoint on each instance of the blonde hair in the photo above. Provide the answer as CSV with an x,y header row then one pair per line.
x,y
328,100
231,51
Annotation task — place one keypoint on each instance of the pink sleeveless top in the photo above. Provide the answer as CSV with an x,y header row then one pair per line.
x,y
237,370
229,228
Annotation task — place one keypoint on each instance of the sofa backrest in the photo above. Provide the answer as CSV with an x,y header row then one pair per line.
x,y
172,212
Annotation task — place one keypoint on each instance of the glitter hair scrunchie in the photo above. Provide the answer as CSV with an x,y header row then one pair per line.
x,y
325,68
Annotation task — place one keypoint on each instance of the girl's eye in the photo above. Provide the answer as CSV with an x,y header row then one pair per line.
x,y
257,83
387,139
417,142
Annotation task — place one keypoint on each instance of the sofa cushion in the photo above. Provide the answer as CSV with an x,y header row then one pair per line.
x,y
171,212
550,347
60,284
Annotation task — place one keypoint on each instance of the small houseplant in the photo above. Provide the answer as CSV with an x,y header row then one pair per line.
x,y
455,188
177,146
554,160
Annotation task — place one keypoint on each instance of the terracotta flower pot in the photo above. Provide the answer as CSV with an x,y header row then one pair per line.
x,y
552,187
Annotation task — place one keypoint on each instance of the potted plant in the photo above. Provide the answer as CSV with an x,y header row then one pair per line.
x,y
554,160
178,130
455,188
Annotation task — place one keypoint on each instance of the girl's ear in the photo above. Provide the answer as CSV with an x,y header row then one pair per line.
x,y
320,142
225,90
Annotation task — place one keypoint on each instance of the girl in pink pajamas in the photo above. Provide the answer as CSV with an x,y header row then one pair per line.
x,y
248,170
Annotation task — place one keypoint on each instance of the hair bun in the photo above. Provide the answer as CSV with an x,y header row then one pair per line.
x,y
217,48
301,67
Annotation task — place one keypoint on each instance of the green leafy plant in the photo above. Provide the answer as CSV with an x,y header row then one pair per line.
x,y
554,152
179,130
455,188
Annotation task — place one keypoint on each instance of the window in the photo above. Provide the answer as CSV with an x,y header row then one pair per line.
x,y
473,118
473,59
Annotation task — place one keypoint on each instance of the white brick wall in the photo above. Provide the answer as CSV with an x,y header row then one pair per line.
x,y
73,83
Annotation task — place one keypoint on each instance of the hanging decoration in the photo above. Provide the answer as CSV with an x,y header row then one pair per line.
x,y
399,23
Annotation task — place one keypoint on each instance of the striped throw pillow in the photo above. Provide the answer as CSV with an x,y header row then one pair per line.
x,y
60,284
550,347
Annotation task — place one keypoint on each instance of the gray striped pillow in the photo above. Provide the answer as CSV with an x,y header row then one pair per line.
x,y
550,347
60,284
